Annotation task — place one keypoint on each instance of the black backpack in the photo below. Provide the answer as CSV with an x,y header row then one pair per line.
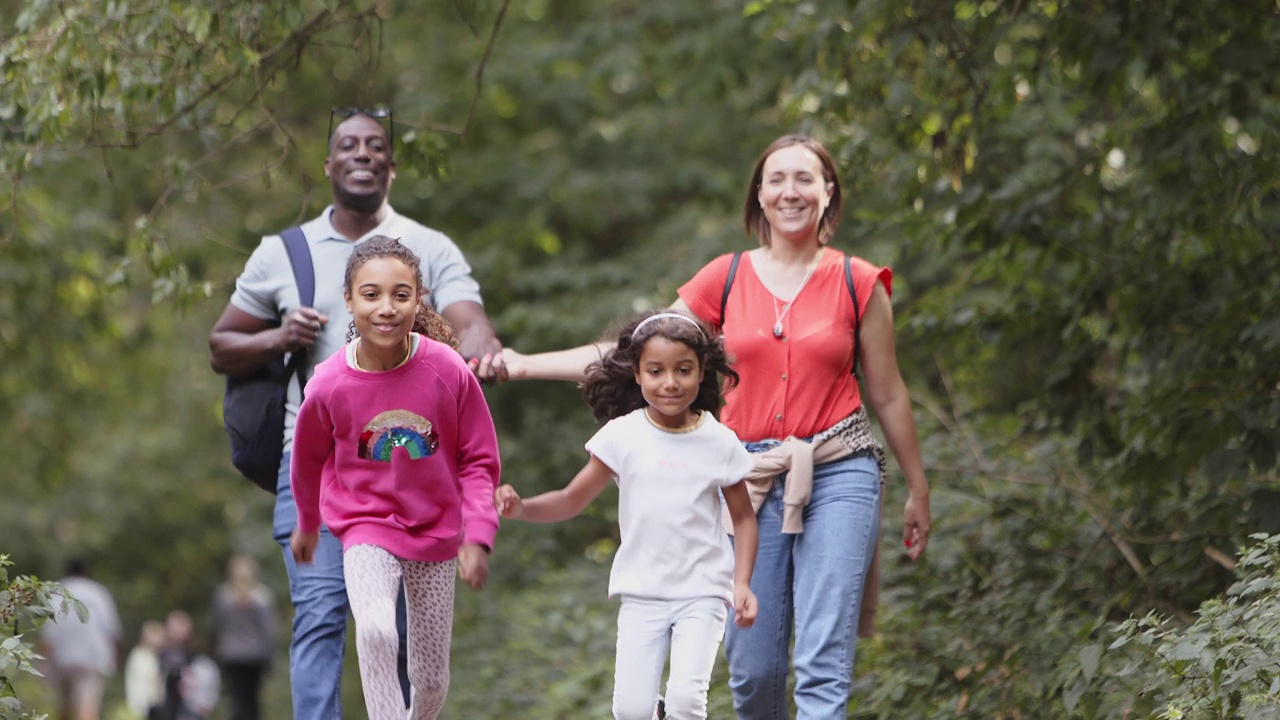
x,y
253,407
848,283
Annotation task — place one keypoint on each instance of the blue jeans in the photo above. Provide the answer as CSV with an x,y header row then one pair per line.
x,y
319,596
815,580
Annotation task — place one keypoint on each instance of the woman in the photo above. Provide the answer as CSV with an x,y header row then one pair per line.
x,y
244,635
788,318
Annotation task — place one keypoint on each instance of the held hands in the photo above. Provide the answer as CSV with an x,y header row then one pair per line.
x,y
507,364
300,329
918,523
508,502
744,606
303,546
473,565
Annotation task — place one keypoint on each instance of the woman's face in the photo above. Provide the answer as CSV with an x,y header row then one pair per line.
x,y
793,193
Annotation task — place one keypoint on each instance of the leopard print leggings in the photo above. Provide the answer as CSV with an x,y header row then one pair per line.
x,y
373,578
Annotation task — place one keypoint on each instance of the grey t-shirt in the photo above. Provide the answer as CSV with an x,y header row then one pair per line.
x,y
266,288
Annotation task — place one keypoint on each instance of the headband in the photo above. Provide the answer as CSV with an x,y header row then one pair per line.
x,y
670,315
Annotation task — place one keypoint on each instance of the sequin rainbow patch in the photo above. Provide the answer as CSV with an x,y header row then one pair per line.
x,y
398,428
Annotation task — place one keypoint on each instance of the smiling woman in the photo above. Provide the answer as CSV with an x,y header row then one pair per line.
x,y
799,320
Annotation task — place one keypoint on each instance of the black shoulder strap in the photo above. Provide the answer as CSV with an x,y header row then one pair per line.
x,y
728,283
304,275
857,319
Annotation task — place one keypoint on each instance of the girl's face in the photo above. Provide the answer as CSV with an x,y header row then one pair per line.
x,y
668,375
793,192
383,300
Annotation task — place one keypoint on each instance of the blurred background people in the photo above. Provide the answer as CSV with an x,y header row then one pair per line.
x,y
243,636
81,655
143,682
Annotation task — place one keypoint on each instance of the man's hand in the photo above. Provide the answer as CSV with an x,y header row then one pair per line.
x,y
473,565
300,329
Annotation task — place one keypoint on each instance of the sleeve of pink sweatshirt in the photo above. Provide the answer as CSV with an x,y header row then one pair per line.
x,y
479,466
312,449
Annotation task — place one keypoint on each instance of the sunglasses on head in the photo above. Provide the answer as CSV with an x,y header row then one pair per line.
x,y
373,112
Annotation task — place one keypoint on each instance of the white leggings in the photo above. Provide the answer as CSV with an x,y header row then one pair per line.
x,y
689,631
373,578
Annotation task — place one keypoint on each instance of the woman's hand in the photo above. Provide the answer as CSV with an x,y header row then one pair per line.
x,y
508,502
303,546
916,526
745,606
473,565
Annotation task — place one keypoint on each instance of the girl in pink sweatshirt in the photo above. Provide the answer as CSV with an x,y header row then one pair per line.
x,y
395,451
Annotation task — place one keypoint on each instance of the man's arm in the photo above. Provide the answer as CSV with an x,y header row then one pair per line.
x,y
476,339
241,344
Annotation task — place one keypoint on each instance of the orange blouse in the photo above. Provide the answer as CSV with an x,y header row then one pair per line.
x,y
800,384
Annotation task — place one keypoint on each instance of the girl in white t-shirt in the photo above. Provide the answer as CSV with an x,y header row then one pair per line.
x,y
675,570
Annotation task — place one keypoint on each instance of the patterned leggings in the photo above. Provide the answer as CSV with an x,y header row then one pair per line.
x,y
373,578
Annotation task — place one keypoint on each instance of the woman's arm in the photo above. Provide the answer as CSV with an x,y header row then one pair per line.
x,y
888,396
557,505
568,365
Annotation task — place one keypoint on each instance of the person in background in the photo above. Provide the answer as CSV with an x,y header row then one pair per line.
x,y
243,635
263,321
798,318
81,656
143,682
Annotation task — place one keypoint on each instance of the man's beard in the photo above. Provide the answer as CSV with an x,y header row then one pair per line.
x,y
364,203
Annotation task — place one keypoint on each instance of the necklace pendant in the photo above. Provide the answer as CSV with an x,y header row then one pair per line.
x,y
777,329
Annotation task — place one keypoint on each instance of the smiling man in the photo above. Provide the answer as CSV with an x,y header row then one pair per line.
x,y
264,320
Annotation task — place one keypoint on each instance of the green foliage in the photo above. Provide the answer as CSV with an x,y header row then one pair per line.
x,y
25,604
1079,201
1224,664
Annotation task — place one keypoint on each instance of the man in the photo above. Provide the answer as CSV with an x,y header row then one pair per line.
x,y
81,655
263,320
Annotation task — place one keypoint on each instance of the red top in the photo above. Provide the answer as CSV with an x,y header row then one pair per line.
x,y
801,384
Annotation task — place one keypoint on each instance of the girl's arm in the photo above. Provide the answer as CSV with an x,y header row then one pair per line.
x,y
745,532
888,397
557,505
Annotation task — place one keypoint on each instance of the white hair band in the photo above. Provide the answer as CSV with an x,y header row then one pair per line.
x,y
672,316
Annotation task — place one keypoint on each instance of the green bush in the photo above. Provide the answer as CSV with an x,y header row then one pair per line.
x,y
25,604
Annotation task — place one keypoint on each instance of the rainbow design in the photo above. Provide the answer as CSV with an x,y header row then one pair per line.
x,y
398,428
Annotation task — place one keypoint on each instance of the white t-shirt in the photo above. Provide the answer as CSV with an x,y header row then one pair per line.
x,y
90,645
674,545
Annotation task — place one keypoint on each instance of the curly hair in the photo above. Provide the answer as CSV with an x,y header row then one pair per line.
x,y
610,387
427,322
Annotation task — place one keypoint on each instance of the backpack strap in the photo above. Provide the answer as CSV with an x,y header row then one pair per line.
x,y
857,319
728,283
304,276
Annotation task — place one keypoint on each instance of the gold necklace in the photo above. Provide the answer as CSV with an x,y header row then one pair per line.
x,y
408,350
683,429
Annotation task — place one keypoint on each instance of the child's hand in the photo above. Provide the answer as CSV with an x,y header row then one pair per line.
x,y
508,502
744,607
303,546
473,565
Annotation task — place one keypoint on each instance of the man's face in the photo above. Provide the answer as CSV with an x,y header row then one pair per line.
x,y
359,166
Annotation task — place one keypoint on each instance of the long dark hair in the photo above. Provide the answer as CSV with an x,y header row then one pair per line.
x,y
753,215
610,387
427,322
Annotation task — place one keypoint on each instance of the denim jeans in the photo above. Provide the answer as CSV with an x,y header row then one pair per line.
x,y
319,596
814,579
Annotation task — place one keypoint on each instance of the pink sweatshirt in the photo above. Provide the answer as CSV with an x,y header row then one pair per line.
x,y
406,460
